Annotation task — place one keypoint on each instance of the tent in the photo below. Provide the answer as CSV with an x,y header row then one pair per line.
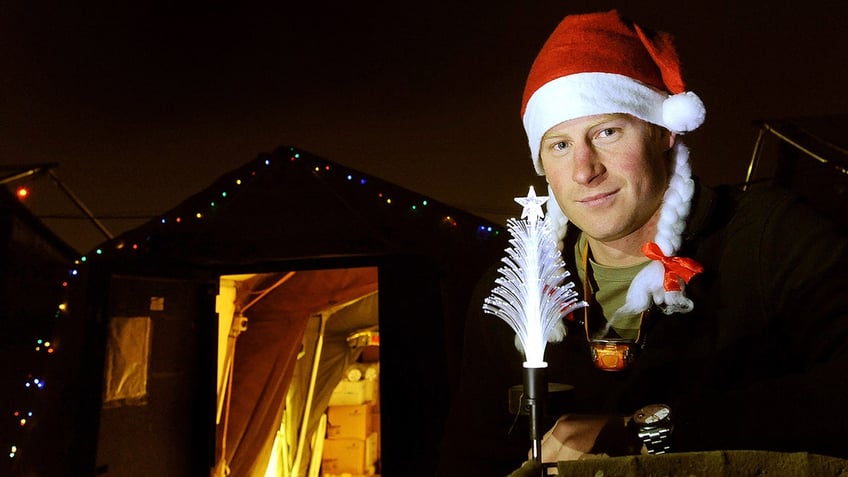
x,y
279,261
808,155
34,263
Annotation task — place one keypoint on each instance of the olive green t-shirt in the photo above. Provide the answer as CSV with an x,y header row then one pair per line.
x,y
612,284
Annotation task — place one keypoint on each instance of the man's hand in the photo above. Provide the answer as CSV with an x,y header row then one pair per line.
x,y
576,436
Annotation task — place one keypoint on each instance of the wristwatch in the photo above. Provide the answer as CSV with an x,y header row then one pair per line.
x,y
653,426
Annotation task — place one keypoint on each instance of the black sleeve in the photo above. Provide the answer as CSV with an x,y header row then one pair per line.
x,y
477,438
793,262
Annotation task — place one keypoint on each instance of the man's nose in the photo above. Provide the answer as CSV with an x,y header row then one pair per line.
x,y
587,164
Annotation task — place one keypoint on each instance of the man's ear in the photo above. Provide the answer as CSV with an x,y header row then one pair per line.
x,y
670,140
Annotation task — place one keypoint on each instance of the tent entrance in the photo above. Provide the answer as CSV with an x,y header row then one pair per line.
x,y
298,373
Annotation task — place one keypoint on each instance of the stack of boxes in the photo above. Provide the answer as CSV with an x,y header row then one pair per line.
x,y
352,444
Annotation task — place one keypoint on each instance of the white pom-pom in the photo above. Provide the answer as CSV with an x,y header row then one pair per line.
x,y
683,112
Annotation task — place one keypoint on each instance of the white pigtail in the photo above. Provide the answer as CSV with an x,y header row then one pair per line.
x,y
556,218
647,285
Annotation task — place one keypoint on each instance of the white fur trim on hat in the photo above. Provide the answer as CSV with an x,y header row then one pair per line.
x,y
587,94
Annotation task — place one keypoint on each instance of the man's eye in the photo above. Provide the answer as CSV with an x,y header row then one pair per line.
x,y
559,146
606,132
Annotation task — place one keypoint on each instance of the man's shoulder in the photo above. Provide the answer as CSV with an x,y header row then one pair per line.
x,y
719,205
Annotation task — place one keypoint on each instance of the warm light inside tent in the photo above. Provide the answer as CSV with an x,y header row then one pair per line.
x,y
329,414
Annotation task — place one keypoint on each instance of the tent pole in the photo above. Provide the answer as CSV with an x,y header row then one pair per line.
x,y
304,423
238,326
755,157
265,292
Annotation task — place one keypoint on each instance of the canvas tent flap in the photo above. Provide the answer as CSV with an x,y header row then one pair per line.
x,y
266,354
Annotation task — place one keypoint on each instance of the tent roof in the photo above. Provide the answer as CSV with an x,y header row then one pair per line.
x,y
39,238
292,205
822,137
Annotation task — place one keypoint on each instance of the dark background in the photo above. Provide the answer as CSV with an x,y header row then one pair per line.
x,y
144,104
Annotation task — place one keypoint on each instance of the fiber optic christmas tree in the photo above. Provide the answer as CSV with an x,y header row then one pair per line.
x,y
532,296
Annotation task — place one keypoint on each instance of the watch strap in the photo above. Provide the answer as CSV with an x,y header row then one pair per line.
x,y
657,440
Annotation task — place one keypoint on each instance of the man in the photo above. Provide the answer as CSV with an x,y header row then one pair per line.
x,y
717,319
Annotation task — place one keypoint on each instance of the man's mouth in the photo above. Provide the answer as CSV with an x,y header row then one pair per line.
x,y
597,199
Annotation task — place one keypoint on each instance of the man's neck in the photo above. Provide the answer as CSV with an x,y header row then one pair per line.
x,y
620,253
625,251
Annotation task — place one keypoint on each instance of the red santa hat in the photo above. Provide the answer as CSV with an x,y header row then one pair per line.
x,y
601,63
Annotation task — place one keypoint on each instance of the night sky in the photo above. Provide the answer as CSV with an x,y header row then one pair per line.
x,y
144,105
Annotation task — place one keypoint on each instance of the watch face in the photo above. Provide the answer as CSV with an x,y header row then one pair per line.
x,y
652,414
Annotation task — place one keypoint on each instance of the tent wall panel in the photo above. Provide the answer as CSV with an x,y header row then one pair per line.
x,y
167,434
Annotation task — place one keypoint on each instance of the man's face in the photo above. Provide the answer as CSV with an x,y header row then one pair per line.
x,y
608,172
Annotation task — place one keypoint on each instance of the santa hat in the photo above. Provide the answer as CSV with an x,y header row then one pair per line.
x,y
601,63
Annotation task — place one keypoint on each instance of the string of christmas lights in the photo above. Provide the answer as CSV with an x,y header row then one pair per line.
x,y
29,392
383,193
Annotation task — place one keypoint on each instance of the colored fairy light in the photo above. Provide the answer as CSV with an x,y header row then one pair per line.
x,y
389,201
267,162
83,258
63,306
199,215
317,169
164,220
349,177
179,219
13,451
135,246
22,192
74,272
212,204
424,202
362,181
64,284
224,194
238,181
98,252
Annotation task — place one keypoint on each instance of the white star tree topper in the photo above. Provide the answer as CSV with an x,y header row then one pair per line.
x,y
531,294
532,206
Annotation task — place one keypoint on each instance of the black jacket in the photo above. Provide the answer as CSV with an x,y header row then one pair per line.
x,y
760,363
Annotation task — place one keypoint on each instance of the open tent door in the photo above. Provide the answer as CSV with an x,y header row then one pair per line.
x,y
293,336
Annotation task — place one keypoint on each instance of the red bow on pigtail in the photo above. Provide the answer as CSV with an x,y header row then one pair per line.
x,y
676,268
